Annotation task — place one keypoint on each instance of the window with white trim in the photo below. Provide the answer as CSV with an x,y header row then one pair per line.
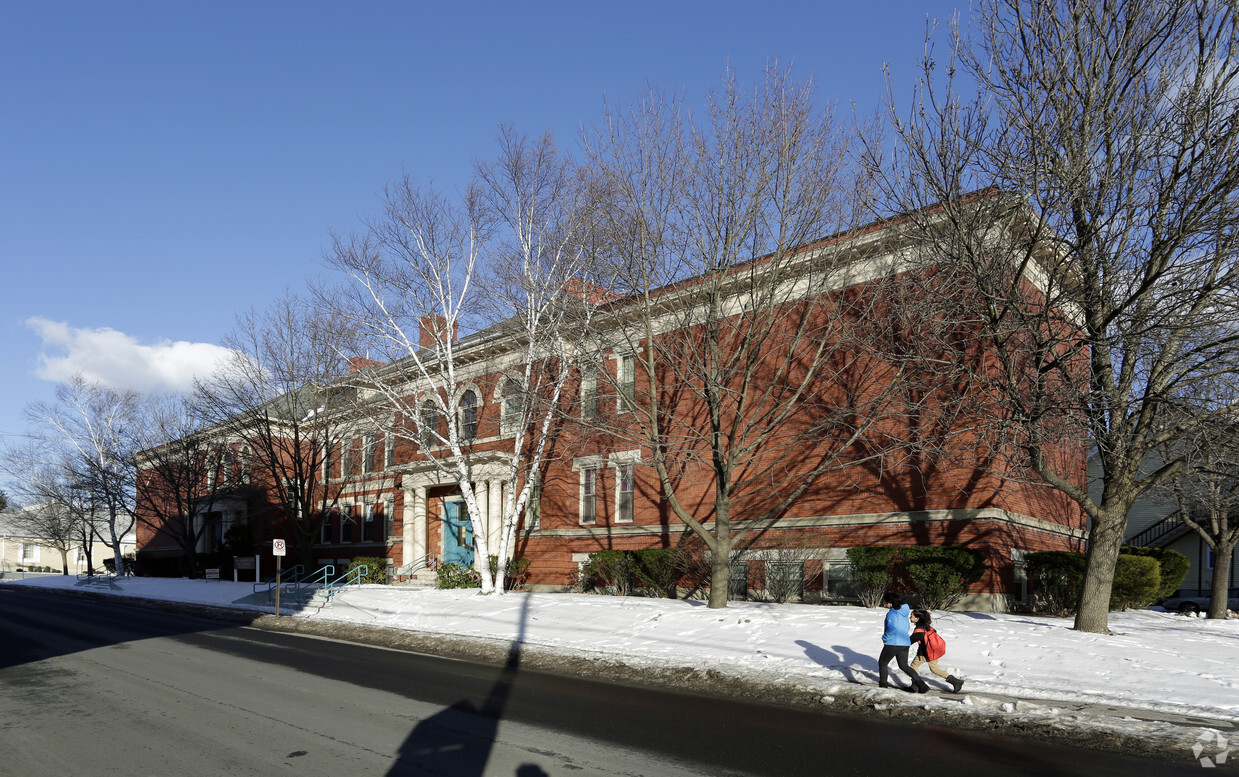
x,y
428,418
589,496
346,457
367,522
627,380
623,493
369,450
346,525
468,415
389,449
513,405
533,506
589,390
28,552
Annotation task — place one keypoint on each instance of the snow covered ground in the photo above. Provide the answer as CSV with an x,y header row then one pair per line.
x,y
1158,675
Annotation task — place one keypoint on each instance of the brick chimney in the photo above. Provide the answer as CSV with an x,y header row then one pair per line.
x,y
358,363
591,293
434,329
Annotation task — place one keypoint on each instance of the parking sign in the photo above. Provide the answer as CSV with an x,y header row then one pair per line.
x,y
277,547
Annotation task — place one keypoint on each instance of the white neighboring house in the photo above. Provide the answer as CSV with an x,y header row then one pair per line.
x,y
21,551
1156,524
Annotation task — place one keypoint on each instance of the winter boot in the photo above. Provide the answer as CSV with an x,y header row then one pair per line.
x,y
956,683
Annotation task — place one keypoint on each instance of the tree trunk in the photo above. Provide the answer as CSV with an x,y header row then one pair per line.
x,y
1103,552
64,562
720,572
1221,580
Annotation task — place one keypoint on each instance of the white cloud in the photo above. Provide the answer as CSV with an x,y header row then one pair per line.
x,y
118,360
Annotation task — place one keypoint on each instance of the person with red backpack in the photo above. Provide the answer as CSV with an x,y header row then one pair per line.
x,y
931,647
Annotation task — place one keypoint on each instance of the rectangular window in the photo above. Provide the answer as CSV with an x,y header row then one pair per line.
x,y
839,581
29,552
367,523
533,507
623,493
589,390
325,475
346,526
324,530
589,493
627,380
388,524
346,457
389,450
370,449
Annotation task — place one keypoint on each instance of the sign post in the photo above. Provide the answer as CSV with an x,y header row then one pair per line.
x,y
278,550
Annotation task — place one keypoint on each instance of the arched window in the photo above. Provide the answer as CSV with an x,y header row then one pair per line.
x,y
468,415
513,404
429,420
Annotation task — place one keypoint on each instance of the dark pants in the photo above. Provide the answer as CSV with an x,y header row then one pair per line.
x,y
900,654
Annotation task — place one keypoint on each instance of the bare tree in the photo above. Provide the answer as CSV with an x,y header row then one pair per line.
x,y
53,526
183,472
1100,265
1207,498
87,440
507,263
742,367
280,399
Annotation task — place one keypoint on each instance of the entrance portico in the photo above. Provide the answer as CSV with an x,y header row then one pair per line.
x,y
420,481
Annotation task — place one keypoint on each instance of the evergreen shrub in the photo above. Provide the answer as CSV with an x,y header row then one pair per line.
x,y
1172,566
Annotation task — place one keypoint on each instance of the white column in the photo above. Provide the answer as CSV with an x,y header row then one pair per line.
x,y
407,538
495,498
421,523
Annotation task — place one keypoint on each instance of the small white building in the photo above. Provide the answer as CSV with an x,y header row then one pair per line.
x,y
22,552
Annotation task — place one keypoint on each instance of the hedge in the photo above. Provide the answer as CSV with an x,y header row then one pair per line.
x,y
1172,566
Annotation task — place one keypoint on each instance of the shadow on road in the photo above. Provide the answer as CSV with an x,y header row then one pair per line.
x,y
39,625
458,741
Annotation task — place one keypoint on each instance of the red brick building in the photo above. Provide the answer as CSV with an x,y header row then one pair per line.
x,y
598,490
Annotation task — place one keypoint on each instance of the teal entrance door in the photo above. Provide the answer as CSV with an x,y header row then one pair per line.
x,y
457,534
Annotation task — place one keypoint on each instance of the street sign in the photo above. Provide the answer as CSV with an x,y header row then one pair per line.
x,y
277,547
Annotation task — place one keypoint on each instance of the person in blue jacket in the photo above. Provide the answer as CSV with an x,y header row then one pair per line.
x,y
896,639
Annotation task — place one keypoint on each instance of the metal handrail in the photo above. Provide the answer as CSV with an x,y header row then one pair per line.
x,y
282,578
319,578
1158,530
427,561
354,575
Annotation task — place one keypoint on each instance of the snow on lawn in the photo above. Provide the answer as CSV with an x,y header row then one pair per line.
x,y
1153,661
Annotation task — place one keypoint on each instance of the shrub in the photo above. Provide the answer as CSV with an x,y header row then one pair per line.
x,y
1172,567
941,575
515,575
1057,577
1137,580
609,570
377,569
660,568
873,568
453,575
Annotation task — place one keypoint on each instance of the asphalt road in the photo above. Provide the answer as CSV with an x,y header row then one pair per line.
x,y
95,688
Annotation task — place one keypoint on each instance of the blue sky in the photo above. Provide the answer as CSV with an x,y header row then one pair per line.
x,y
167,165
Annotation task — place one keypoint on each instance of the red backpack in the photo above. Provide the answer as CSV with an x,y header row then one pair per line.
x,y
933,645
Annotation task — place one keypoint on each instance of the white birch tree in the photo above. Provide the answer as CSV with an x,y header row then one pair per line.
x,y
500,263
